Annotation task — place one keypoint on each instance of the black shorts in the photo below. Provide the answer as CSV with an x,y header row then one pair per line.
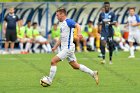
x,y
11,35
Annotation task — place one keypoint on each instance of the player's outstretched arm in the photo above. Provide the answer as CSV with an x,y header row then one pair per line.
x,y
56,45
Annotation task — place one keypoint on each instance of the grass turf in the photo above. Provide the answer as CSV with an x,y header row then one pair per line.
x,y
21,74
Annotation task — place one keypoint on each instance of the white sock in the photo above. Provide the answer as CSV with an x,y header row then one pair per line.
x,y
131,51
121,45
27,47
86,69
52,72
91,40
21,46
49,47
45,47
36,46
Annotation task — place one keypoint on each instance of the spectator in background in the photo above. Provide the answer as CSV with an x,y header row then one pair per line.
x,y
10,30
118,37
29,36
89,30
83,40
97,37
21,35
134,32
40,40
55,34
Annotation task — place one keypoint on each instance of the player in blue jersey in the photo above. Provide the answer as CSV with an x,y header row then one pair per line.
x,y
106,20
67,46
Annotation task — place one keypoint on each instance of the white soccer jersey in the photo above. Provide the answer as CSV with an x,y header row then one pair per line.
x,y
66,36
133,19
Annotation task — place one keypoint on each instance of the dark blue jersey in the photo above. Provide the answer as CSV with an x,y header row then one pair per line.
x,y
11,21
107,29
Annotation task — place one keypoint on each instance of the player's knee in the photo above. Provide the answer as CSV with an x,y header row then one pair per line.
x,y
53,62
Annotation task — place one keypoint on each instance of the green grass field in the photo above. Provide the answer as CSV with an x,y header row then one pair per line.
x,y
21,74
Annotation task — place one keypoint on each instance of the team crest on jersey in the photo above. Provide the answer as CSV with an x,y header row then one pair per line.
x,y
14,16
109,16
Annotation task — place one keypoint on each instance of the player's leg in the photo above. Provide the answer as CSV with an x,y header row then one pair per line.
x,y
13,39
131,41
49,47
53,67
98,42
35,46
21,41
28,45
76,39
84,40
102,48
60,56
7,35
83,68
91,40
46,45
111,47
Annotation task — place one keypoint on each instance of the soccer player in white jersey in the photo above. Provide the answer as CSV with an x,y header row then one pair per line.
x,y
134,32
67,46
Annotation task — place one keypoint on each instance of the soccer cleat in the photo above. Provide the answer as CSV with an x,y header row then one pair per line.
x,y
103,62
95,76
45,81
5,52
131,57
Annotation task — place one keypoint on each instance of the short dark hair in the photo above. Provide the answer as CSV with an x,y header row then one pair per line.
x,y
90,21
133,8
28,21
106,3
34,23
62,10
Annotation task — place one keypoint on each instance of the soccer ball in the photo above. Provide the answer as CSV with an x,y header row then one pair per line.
x,y
45,81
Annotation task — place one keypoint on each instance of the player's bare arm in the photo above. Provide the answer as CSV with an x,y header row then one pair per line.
x,y
135,24
56,45
4,27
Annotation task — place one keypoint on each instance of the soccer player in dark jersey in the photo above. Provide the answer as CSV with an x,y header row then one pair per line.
x,y
106,20
10,21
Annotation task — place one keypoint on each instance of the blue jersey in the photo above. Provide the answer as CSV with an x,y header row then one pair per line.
x,y
66,36
107,30
11,21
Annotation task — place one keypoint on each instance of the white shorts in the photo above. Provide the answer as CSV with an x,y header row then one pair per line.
x,y
24,39
67,53
118,39
134,37
40,39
